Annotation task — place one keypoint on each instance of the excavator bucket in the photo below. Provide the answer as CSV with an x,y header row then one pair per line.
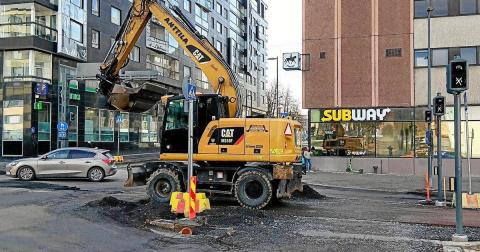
x,y
136,176
139,99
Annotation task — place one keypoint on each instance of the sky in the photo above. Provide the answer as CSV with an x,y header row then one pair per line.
x,y
284,19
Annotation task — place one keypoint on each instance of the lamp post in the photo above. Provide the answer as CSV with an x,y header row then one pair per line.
x,y
276,88
429,86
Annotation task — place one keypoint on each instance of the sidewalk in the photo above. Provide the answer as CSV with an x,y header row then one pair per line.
x,y
376,182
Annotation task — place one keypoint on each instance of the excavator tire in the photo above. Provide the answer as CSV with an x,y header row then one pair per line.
x,y
161,184
253,190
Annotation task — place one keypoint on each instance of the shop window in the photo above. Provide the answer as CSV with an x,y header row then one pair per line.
x,y
44,122
468,7
124,127
91,86
343,139
107,122
73,125
439,57
148,132
12,130
116,16
91,125
395,139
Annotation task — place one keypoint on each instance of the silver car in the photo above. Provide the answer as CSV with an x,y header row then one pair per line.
x,y
94,164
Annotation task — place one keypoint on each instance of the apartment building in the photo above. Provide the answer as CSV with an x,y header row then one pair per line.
x,y
46,43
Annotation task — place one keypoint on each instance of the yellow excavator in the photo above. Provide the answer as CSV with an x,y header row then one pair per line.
x,y
254,159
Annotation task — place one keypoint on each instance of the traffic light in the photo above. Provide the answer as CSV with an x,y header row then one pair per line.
x,y
428,116
457,76
439,105
72,116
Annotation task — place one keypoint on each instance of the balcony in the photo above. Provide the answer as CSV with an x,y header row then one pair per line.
x,y
26,29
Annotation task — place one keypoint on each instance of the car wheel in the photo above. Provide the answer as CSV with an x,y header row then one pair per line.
x,y
26,173
96,174
253,190
161,184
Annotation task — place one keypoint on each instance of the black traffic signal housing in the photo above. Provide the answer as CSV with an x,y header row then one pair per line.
x,y
457,76
428,116
71,116
439,105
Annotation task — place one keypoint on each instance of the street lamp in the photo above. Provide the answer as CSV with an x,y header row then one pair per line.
x,y
429,86
276,89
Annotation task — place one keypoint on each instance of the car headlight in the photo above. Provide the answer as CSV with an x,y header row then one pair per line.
x,y
13,163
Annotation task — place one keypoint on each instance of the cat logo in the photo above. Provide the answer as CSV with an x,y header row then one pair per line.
x,y
227,133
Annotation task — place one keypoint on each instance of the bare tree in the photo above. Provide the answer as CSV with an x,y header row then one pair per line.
x,y
287,103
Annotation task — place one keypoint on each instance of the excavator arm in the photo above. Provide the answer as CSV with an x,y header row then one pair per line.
x,y
124,97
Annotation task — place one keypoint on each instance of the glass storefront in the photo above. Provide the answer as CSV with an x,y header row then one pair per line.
x,y
12,133
400,133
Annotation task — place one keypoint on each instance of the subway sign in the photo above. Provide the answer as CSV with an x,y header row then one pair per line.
x,y
354,115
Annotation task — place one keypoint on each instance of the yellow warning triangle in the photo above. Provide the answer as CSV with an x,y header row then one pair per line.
x,y
288,130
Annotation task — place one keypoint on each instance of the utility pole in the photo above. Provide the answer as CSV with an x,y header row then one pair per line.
x,y
429,86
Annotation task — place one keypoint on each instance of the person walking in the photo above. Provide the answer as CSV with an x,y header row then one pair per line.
x,y
307,156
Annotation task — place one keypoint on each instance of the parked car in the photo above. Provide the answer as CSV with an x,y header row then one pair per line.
x,y
94,164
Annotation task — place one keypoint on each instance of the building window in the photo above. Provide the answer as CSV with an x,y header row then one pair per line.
x,y
165,65
439,57
187,72
135,54
440,8
395,52
323,55
218,46
219,27
91,125
116,16
218,8
172,44
421,8
148,132
76,31
27,64
469,54
124,127
468,7
77,3
95,39
107,123
73,125
202,79
421,58
187,5
91,86
96,7
201,17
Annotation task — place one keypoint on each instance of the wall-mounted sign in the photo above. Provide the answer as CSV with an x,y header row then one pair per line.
x,y
355,115
292,61
155,44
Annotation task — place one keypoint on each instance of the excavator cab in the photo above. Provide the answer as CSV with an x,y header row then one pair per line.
x,y
206,108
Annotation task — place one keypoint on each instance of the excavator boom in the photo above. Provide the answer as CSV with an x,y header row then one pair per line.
x,y
124,97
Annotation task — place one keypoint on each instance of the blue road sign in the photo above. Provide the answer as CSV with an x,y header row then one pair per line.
x,y
33,130
283,114
62,126
189,91
119,119
62,135
41,89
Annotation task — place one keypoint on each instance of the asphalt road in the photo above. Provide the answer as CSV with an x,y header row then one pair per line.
x,y
74,215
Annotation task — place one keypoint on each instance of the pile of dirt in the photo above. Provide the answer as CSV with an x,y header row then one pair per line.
x,y
131,213
308,193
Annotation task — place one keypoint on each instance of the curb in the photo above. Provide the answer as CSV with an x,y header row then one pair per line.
x,y
360,189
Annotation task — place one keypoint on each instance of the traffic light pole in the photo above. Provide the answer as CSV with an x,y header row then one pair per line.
x,y
440,200
429,87
459,233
